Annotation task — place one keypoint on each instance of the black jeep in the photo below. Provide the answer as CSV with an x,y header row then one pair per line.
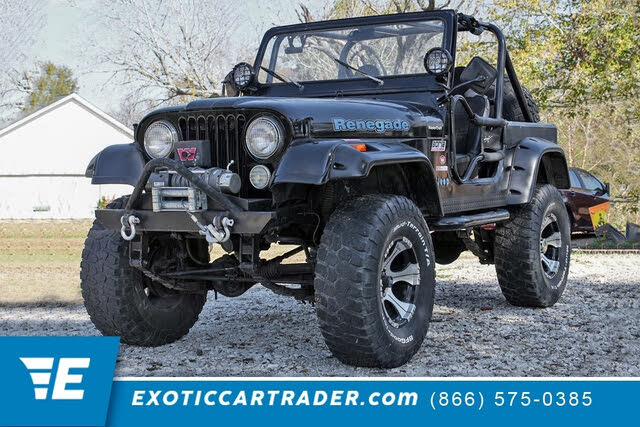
x,y
361,143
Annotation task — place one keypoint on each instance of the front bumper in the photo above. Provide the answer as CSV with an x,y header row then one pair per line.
x,y
246,222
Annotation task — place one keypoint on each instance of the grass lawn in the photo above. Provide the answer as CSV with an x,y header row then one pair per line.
x,y
40,262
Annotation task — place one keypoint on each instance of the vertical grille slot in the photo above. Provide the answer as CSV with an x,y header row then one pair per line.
x,y
192,129
202,128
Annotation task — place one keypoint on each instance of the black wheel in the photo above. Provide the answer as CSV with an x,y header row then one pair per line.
x,y
532,251
121,301
375,281
511,107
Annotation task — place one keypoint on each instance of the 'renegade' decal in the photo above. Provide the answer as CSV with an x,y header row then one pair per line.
x,y
379,126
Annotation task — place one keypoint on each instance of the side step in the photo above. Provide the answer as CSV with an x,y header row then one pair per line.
x,y
462,222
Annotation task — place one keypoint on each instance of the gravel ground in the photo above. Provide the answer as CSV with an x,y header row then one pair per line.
x,y
593,331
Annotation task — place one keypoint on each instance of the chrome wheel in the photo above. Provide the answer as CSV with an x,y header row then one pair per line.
x,y
550,245
399,279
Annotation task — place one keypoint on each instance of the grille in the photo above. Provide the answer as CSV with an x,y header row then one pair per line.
x,y
225,132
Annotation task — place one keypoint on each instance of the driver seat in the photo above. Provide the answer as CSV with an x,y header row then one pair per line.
x,y
468,135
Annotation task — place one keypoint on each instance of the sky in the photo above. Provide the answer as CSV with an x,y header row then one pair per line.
x,y
69,23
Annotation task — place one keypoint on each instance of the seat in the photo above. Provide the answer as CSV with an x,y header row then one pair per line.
x,y
468,135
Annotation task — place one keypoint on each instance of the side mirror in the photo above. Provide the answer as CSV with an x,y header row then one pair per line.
x,y
607,188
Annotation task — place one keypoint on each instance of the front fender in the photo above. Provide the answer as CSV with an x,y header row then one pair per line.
x,y
317,162
117,164
531,155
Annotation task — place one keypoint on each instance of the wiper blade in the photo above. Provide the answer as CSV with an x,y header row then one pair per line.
x,y
344,64
282,79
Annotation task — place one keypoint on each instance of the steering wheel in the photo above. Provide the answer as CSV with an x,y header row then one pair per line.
x,y
344,72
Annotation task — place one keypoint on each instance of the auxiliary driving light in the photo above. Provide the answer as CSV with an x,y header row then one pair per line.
x,y
260,176
242,75
437,61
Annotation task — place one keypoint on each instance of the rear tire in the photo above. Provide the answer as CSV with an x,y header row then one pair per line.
x,y
511,110
532,251
118,297
375,281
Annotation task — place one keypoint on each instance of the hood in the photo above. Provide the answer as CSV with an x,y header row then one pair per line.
x,y
331,117
337,117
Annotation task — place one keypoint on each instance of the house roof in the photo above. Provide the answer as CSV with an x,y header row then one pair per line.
x,y
74,97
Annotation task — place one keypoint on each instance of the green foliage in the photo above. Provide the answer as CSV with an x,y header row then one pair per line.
x,y
52,82
603,243
104,201
576,52
580,60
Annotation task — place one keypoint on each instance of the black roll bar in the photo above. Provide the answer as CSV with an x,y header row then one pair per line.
x,y
504,63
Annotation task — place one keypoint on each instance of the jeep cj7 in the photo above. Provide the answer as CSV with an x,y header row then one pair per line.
x,y
359,142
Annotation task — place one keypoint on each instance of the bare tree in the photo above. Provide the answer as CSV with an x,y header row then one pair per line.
x,y
20,24
166,51
350,8
130,110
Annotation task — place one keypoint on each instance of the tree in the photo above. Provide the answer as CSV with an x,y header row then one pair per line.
x,y
580,59
575,51
167,51
337,9
46,85
130,110
20,25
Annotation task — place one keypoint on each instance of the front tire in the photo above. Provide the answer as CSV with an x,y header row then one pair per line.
x,y
532,251
121,301
375,281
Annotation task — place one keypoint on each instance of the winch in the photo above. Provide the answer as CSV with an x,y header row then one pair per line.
x,y
172,192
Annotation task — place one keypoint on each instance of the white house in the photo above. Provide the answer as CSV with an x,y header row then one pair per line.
x,y
43,158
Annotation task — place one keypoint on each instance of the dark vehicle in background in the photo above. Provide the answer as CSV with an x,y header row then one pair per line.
x,y
586,192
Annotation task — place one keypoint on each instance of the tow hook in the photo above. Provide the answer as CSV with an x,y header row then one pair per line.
x,y
128,222
218,232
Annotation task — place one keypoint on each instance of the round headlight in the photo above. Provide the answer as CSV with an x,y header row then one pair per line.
x,y
259,176
264,137
159,139
242,75
437,61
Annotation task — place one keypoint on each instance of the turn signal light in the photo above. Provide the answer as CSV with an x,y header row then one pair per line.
x,y
360,147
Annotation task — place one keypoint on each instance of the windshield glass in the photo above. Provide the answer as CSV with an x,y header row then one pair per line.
x,y
377,50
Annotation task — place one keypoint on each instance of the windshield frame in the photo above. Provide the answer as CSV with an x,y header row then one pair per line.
x,y
448,18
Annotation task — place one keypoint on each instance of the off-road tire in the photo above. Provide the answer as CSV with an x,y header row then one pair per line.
x,y
511,107
521,274
348,282
115,299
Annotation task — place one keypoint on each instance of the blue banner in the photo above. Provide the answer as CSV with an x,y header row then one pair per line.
x,y
67,381
374,402
56,381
